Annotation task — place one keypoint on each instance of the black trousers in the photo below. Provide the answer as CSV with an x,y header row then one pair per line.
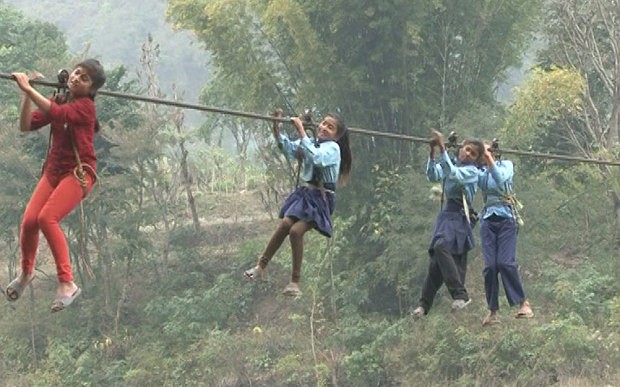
x,y
448,268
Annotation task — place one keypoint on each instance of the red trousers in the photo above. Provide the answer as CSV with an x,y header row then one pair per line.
x,y
51,201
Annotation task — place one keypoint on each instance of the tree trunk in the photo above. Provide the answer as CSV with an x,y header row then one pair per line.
x,y
179,119
187,182
123,298
616,201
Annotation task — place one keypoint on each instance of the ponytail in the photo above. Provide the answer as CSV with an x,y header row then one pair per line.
x,y
346,158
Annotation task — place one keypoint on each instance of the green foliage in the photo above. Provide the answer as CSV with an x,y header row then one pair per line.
x,y
27,44
366,364
588,291
178,317
546,98
394,66
614,306
576,343
591,55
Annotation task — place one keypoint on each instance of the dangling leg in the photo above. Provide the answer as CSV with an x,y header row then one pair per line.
x,y
296,236
61,202
272,247
453,272
432,283
507,254
460,261
29,239
488,237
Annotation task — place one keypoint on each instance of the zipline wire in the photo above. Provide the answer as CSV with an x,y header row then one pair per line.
x,y
374,133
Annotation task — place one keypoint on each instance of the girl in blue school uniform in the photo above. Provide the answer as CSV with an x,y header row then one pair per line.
x,y
452,236
324,165
498,234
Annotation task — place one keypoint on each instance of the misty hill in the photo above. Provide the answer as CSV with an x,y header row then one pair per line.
x,y
183,62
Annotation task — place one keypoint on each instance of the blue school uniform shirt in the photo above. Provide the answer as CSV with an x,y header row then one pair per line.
x,y
326,157
458,179
495,183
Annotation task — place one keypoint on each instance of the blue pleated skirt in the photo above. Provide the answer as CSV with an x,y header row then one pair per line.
x,y
309,205
453,230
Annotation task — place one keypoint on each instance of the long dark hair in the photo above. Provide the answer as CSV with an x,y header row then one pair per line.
x,y
97,75
346,158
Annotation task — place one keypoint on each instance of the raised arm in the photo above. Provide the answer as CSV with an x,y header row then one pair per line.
x,y
434,172
23,81
500,171
463,175
29,94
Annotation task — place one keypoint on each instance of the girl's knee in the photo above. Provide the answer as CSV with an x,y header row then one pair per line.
x,y
45,220
490,269
295,233
298,230
29,224
506,266
285,225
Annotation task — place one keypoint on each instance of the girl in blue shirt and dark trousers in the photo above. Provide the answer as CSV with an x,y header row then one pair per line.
x,y
498,234
324,164
452,236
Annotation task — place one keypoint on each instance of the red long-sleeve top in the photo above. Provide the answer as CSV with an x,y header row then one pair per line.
x,y
78,116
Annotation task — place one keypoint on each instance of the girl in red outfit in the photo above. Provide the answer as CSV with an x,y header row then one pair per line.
x,y
67,178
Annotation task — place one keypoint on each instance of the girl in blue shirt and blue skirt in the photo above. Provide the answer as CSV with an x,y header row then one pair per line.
x,y
325,163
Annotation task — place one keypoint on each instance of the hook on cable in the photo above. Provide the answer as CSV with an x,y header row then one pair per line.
x,y
61,89
494,148
453,139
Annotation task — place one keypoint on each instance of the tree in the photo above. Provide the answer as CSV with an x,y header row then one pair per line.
x,y
27,45
398,66
586,37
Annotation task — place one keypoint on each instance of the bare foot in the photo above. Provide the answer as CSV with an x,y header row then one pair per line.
x,y
525,311
15,289
490,319
292,289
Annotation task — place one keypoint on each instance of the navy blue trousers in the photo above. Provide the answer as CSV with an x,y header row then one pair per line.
x,y
499,248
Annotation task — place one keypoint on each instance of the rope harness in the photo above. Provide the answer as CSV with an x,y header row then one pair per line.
x,y
469,214
508,198
80,175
